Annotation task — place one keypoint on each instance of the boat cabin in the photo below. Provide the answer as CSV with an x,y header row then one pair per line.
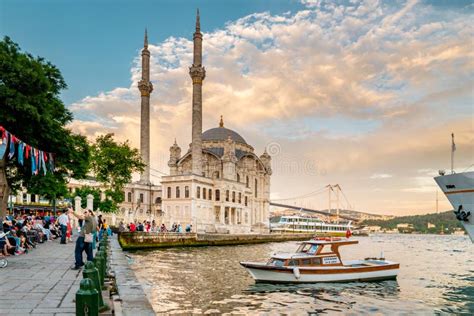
x,y
316,252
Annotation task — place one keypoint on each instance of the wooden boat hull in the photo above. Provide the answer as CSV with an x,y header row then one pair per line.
x,y
270,274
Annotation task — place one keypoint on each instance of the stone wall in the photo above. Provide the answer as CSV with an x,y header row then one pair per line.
x,y
141,240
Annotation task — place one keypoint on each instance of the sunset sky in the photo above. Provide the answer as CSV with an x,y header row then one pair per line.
x,y
365,94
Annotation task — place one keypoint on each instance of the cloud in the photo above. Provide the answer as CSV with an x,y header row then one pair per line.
x,y
346,89
380,176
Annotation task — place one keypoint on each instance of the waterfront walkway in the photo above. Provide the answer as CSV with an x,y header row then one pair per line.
x,y
40,282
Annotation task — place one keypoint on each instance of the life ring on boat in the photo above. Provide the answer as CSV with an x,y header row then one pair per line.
x,y
461,214
296,273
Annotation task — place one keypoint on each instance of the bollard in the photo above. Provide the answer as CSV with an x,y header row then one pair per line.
x,y
91,272
102,255
99,262
87,299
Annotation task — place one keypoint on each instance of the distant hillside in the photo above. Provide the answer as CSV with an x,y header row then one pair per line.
x,y
445,221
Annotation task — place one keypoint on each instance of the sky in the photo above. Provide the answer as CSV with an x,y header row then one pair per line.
x,y
364,94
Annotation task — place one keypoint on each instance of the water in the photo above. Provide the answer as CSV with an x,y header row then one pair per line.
x,y
436,276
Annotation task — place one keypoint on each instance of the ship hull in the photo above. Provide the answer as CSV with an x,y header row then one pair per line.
x,y
459,189
270,274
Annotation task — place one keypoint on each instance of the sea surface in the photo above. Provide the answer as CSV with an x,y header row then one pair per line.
x,y
436,277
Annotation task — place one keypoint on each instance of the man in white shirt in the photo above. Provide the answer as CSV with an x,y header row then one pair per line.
x,y
63,220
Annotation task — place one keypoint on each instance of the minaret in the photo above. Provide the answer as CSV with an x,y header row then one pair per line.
x,y
197,73
145,87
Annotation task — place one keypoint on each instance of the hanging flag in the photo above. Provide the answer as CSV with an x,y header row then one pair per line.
x,y
39,159
33,160
12,147
3,148
43,164
21,146
27,151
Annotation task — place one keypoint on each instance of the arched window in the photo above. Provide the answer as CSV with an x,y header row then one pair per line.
x,y
198,192
246,201
216,174
141,197
168,192
204,193
256,191
247,181
227,195
158,200
129,197
240,198
233,196
218,195
210,194
177,192
238,177
186,192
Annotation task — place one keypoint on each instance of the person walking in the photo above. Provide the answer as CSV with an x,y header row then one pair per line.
x,y
63,221
84,241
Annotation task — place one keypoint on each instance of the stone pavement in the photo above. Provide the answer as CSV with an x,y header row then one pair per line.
x,y
40,282
133,300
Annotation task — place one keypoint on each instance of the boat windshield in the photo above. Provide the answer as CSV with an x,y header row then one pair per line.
x,y
275,262
308,248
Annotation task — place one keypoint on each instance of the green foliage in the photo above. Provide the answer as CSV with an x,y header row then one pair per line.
x,y
31,108
445,222
113,164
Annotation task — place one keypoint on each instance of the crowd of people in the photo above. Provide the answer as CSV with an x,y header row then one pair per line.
x,y
24,232
152,227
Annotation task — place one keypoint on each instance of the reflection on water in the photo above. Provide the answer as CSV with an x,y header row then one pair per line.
x,y
436,276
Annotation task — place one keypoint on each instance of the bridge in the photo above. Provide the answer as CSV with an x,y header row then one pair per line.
x,y
308,203
308,210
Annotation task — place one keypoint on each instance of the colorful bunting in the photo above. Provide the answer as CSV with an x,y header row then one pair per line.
x,y
39,159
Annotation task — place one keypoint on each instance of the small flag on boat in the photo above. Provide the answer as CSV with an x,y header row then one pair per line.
x,y
348,233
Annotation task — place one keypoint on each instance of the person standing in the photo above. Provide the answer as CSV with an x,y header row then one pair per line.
x,y
63,221
84,241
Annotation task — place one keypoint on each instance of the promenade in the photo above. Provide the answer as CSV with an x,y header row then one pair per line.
x,y
40,282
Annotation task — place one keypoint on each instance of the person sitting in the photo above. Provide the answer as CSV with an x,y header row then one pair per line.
x,y
188,228
6,247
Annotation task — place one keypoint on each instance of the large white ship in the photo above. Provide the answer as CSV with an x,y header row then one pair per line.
x,y
307,224
459,189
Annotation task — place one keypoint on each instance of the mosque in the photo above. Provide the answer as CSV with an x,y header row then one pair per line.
x,y
219,185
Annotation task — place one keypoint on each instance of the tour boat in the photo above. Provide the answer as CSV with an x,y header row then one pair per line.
x,y
308,224
459,189
318,260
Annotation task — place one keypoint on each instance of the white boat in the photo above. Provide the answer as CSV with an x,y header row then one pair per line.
x,y
459,189
317,261
308,224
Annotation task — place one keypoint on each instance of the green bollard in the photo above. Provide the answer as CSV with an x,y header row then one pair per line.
x,y
87,299
103,255
91,272
99,262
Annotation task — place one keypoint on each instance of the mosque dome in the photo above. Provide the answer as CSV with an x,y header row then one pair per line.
x,y
221,134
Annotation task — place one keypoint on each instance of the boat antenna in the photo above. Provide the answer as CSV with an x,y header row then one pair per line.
x,y
453,149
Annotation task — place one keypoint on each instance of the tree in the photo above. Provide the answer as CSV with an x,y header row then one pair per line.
x,y
31,109
113,164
